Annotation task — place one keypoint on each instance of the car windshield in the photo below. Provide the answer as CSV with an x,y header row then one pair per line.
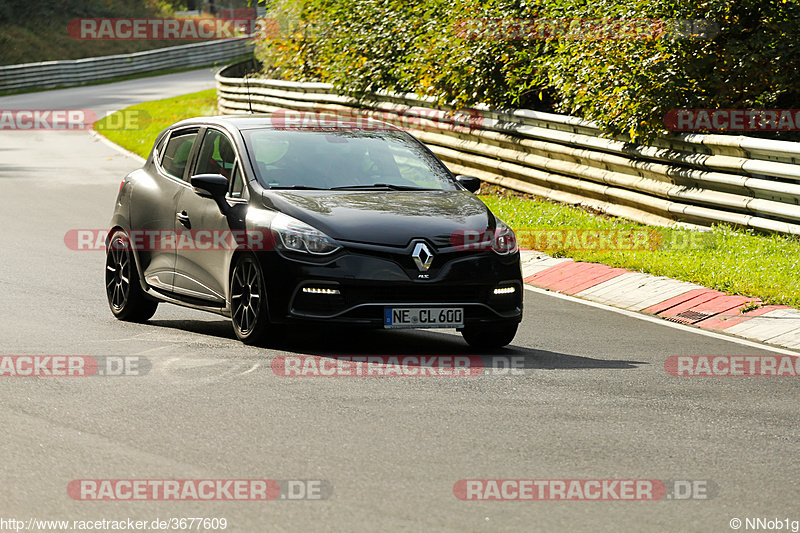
x,y
346,160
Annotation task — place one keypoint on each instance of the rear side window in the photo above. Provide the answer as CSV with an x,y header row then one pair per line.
x,y
176,154
160,148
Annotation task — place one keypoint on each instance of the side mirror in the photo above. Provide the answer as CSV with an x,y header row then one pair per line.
x,y
471,183
210,185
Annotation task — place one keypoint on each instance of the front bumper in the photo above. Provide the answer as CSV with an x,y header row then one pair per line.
x,y
357,283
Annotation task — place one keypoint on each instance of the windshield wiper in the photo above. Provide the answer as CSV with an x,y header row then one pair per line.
x,y
380,186
300,187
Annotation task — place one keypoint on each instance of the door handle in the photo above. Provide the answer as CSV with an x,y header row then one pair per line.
x,y
183,217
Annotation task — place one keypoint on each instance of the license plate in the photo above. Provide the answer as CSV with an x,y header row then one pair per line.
x,y
423,317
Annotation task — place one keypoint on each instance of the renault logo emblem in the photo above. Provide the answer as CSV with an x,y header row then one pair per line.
x,y
422,256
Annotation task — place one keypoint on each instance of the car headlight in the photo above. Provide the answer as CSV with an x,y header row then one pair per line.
x,y
504,241
298,236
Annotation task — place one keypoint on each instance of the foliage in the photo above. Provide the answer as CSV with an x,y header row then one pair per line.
x,y
628,85
750,58
33,31
27,12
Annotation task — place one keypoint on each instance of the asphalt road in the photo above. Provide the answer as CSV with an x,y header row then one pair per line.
x,y
593,401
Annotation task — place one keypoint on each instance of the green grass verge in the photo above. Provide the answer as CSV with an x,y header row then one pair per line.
x,y
135,128
726,259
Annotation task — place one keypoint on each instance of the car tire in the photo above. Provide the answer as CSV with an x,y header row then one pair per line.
x,y
484,338
126,298
249,310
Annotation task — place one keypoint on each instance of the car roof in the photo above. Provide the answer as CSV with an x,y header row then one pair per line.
x,y
309,121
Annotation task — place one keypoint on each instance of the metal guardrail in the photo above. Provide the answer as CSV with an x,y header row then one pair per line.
x,y
689,179
76,72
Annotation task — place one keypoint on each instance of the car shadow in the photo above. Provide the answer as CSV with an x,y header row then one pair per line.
x,y
342,342
333,342
212,328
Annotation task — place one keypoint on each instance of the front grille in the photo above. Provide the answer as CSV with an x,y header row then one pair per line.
x,y
415,294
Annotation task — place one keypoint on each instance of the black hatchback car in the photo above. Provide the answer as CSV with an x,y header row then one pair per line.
x,y
348,224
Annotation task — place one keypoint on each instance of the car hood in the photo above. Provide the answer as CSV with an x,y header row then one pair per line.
x,y
390,218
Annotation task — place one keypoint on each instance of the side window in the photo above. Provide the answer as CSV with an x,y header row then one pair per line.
x,y
176,154
237,184
217,155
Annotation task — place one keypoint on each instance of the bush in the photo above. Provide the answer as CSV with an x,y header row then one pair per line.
x,y
27,13
626,85
290,51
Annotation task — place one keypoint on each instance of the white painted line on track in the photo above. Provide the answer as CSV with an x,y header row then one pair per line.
x,y
663,322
